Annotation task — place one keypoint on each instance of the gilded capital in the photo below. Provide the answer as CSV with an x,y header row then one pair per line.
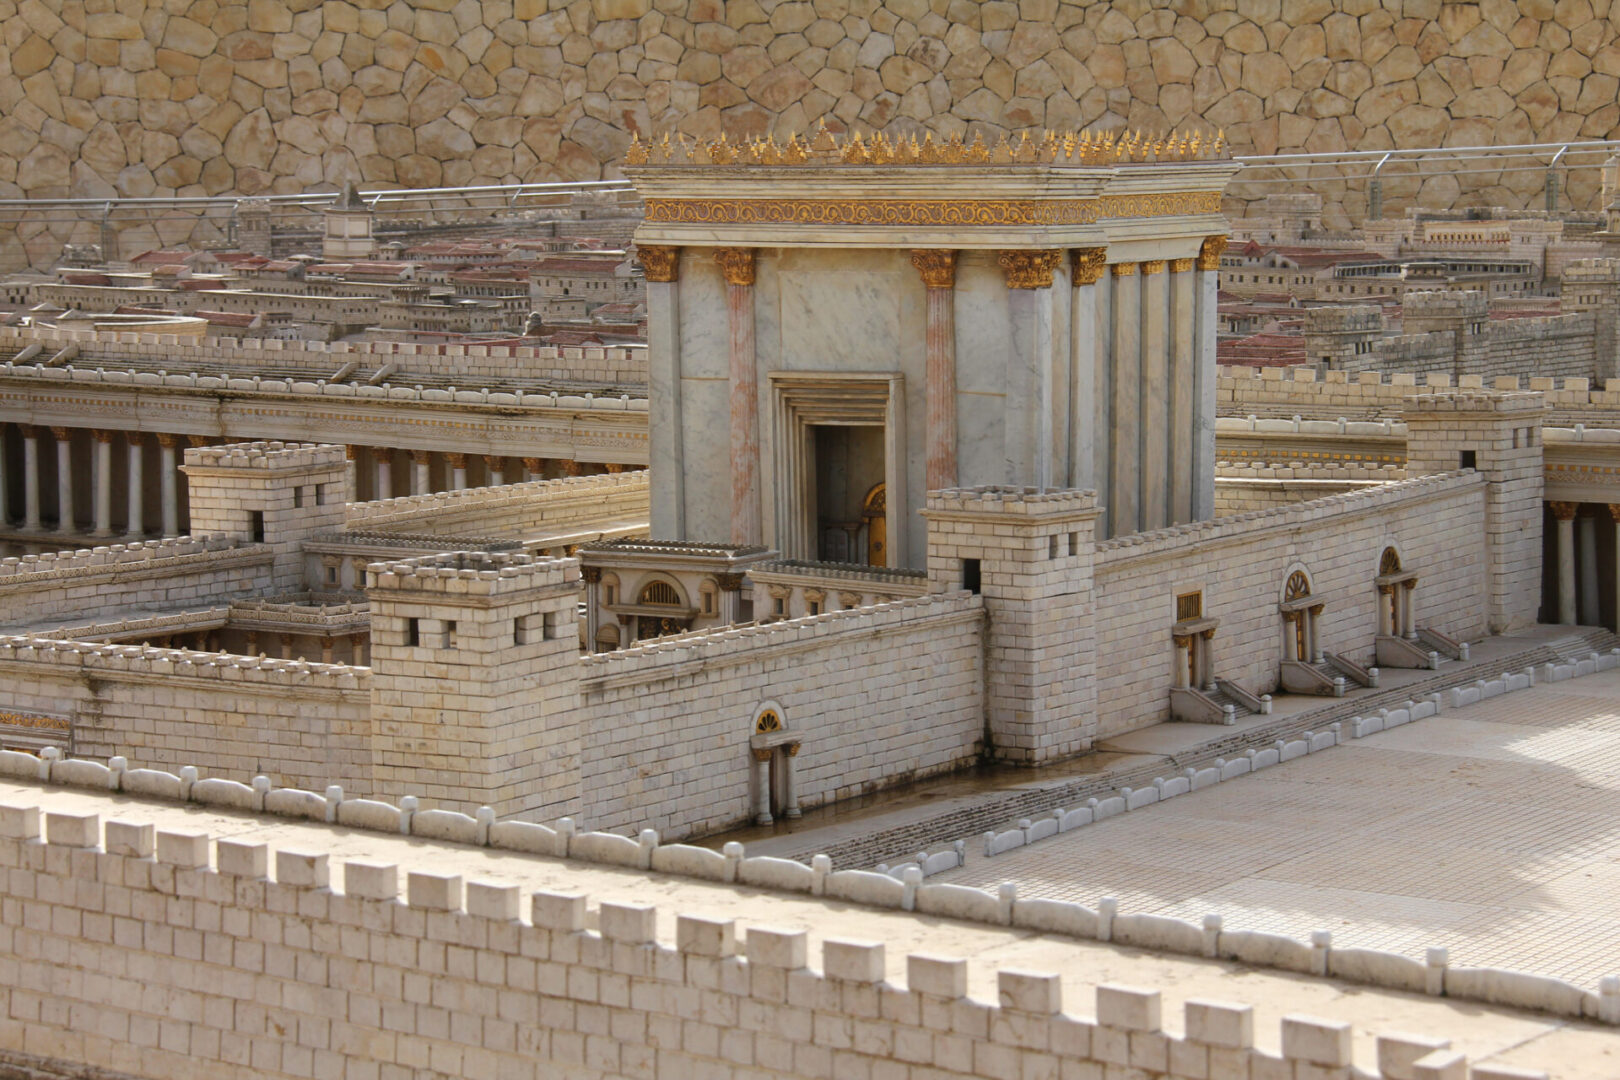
x,y
102,435
590,574
1614,512
1153,266
661,263
1124,269
1029,269
1564,511
737,264
937,267
1209,255
62,434
1086,264
1181,266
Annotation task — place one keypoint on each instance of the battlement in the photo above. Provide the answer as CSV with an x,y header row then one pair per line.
x,y
94,657
1341,319
1362,501
1025,502
532,495
26,569
471,573
1303,470
279,457
1476,401
1593,270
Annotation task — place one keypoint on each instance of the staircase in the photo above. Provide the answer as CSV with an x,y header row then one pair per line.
x,y
1220,697
1580,646
1335,668
1439,643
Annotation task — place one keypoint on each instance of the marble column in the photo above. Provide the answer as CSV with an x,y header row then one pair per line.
x,y
1125,457
168,479
5,489
790,780
419,472
1155,397
1290,635
1587,582
30,436
1614,516
533,468
1086,266
358,647
458,471
494,470
761,767
737,264
938,270
1183,388
385,473
1027,435
1564,513
1206,659
351,471
64,479
101,469
1408,613
1203,420
1178,678
1315,643
570,467
665,373
135,517
1388,626
730,597
592,577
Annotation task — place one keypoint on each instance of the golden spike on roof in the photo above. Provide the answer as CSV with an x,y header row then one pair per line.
x,y
795,152
1001,154
636,152
954,151
824,142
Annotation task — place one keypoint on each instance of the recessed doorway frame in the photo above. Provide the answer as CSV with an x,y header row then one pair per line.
x,y
801,400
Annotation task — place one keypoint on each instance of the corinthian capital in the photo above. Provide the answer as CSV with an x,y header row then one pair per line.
x,y
1029,269
737,264
659,262
937,267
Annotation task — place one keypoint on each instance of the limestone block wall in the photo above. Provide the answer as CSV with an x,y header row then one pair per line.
x,y
879,695
1244,486
188,572
1359,396
511,510
1241,563
172,955
305,725
199,97
1560,345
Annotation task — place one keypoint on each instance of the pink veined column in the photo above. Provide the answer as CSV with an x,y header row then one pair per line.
x,y
737,264
938,270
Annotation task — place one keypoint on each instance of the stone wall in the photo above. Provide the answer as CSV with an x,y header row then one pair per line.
x,y
158,574
1436,524
511,510
880,695
305,725
256,96
1247,485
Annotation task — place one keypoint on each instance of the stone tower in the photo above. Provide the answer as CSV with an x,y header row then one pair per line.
x,y
1030,555
253,230
347,234
1497,433
273,493
1341,338
475,682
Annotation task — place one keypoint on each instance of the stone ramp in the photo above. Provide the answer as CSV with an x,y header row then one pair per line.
x,y
902,835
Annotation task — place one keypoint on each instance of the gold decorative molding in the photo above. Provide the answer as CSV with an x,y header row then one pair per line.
x,y
659,262
825,147
590,574
61,434
1209,254
950,212
729,582
1614,512
937,267
1086,264
1123,269
763,753
736,263
1181,266
1153,266
25,720
1564,511
1029,269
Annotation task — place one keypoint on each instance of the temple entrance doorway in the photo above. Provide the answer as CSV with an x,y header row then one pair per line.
x,y
850,494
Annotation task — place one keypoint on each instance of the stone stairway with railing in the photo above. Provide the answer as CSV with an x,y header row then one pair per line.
x,y
994,809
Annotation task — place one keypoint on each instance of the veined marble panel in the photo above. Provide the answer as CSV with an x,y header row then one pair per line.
x,y
705,333
837,320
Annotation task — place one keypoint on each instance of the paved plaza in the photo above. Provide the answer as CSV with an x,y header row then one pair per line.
x,y
1493,830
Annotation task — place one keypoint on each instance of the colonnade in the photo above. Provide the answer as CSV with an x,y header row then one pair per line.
x,y
388,472
94,482
1575,569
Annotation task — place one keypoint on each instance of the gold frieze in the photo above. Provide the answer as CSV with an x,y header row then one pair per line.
x,y
949,212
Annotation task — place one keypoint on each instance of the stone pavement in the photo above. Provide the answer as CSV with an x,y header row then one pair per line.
x,y
1493,830
1567,1050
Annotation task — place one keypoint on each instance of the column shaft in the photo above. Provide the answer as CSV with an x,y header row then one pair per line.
x,y
1155,397
64,479
385,474
938,270
1566,565
169,478
1126,381
1203,419
1183,389
458,471
738,266
419,472
135,518
30,478
103,480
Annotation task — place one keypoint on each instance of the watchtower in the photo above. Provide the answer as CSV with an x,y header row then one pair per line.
x,y
268,493
475,683
1029,554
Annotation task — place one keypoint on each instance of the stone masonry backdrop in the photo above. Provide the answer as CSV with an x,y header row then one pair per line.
x,y
189,97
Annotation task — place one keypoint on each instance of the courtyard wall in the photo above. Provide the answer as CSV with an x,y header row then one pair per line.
x,y
511,510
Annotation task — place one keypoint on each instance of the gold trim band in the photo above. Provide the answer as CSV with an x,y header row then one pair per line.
x,y
951,212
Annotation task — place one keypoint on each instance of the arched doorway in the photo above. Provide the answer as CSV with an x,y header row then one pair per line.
x,y
773,780
1299,618
874,515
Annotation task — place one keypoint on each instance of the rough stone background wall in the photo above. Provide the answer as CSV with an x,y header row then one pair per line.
x,y
162,97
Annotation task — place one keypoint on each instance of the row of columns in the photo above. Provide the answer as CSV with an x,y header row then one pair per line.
x,y
1150,376
1570,595
101,479
379,464
1195,661
359,647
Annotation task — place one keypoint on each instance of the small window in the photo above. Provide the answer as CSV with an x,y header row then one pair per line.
x,y
413,632
450,633
1074,543
517,631
298,497
1467,460
780,605
1052,546
1189,606
813,607
970,575
707,597
331,575
321,494
256,525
